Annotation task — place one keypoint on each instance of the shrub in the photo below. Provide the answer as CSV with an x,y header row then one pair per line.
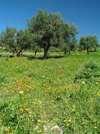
x,y
89,73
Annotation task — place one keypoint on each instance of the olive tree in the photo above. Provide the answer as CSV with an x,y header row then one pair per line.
x,y
46,29
49,29
15,41
88,42
2,39
23,41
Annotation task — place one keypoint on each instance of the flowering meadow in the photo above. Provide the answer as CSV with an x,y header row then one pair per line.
x,y
40,96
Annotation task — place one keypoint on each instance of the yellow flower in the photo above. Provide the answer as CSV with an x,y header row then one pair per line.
x,y
83,83
95,127
69,120
98,94
39,121
40,102
21,92
97,83
43,121
54,123
73,110
43,76
64,120
36,128
67,125
29,112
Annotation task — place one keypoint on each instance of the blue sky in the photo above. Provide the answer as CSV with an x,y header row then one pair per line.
x,y
85,14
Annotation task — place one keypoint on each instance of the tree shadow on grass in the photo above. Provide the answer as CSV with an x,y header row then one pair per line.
x,y
31,57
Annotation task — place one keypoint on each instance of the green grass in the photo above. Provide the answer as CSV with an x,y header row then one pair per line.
x,y
38,95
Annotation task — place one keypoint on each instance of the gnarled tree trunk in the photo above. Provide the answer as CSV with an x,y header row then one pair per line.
x,y
46,48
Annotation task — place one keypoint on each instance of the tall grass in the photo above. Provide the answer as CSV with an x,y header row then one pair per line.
x,y
40,96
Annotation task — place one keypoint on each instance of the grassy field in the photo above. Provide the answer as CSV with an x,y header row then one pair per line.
x,y
41,96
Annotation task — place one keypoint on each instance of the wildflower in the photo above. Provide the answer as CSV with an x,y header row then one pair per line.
x,y
73,110
64,120
21,110
0,120
7,129
26,109
39,121
95,127
97,83
43,121
51,96
67,125
36,128
21,92
39,130
22,86
40,102
83,83
54,123
56,97
30,112
69,120
98,94
43,76
22,98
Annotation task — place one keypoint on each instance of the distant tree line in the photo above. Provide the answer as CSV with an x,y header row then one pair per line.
x,y
43,31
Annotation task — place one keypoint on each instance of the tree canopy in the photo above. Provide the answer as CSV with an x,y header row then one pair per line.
x,y
88,42
49,29
15,41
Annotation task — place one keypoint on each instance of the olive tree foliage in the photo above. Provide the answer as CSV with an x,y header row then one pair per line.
x,y
69,38
48,29
15,41
23,41
95,42
2,38
88,42
9,39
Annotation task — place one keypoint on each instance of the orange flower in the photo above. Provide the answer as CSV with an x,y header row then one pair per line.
x,y
21,110
77,89
7,129
51,96
22,98
26,109
72,90
56,88
0,120
56,97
